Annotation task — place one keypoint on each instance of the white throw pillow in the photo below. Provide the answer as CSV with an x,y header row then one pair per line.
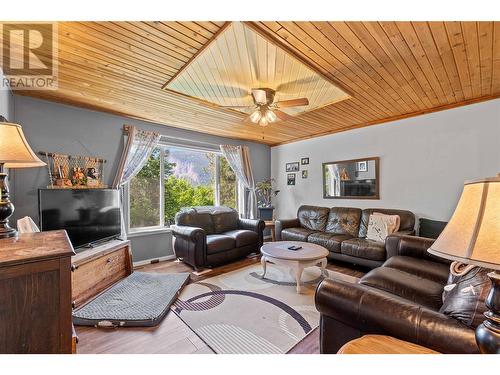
x,y
381,225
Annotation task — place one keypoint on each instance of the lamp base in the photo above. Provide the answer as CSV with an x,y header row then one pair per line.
x,y
7,232
488,333
6,207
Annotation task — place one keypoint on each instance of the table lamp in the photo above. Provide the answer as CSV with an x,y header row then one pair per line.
x,y
473,237
15,152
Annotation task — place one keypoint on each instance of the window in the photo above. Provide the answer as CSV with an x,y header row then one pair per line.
x,y
174,178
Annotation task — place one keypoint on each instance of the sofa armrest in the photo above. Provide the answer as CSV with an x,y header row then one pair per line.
x,y
255,226
410,232
187,232
251,224
279,225
190,245
412,246
370,311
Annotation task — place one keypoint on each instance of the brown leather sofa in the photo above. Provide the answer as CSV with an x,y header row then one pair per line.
x,y
400,299
210,236
342,230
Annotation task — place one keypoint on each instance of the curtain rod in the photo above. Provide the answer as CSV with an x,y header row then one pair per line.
x,y
127,127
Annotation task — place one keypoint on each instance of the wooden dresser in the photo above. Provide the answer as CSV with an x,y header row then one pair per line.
x,y
35,293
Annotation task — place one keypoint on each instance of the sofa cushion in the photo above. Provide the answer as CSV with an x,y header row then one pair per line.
x,y
428,269
363,248
380,226
328,240
465,302
243,237
193,218
224,221
313,217
296,234
217,243
407,219
405,285
343,220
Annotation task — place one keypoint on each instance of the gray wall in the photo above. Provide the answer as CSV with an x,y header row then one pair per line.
x,y
65,129
424,160
6,102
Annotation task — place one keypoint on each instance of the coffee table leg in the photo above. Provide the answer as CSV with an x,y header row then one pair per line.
x,y
322,264
263,262
298,275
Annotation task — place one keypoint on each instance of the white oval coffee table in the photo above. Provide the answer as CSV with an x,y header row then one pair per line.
x,y
309,256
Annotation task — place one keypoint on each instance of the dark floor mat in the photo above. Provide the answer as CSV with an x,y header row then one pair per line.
x,y
141,299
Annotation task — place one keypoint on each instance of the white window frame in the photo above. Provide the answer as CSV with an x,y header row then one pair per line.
x,y
131,232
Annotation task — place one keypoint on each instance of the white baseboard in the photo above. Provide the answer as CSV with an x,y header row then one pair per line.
x,y
153,260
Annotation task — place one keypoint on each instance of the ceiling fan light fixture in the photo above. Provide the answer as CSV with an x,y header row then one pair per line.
x,y
263,121
271,116
255,116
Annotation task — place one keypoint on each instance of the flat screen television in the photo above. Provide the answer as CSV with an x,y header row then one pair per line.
x,y
87,215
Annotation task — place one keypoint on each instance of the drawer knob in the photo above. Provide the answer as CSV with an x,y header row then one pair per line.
x,y
73,268
108,260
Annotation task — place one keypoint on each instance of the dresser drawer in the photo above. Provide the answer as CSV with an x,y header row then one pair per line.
x,y
92,275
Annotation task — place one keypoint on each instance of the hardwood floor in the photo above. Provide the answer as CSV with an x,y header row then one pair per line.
x,y
172,336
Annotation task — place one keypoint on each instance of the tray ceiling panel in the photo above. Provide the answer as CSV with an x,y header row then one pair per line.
x,y
391,70
240,59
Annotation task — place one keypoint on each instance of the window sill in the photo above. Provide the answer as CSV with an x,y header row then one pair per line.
x,y
147,232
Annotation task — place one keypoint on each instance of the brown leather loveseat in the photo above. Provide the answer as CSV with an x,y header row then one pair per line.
x,y
402,299
209,236
342,230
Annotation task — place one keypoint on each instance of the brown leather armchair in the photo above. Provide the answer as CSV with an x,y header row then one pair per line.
x,y
210,236
400,299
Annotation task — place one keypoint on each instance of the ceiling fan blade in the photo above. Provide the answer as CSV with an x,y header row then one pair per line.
x,y
282,115
259,96
303,83
292,103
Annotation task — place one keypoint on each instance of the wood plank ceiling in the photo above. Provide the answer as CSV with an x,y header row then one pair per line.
x,y
392,70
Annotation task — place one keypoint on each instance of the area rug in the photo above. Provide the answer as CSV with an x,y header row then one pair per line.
x,y
241,313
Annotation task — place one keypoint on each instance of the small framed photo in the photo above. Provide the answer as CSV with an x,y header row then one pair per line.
x,y
304,161
304,173
292,167
290,179
362,166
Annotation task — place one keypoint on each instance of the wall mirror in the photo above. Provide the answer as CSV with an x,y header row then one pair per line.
x,y
351,179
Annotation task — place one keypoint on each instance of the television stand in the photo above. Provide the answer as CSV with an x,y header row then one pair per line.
x,y
98,268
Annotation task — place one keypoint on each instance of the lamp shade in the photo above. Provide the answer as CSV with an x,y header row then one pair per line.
x,y
15,152
473,234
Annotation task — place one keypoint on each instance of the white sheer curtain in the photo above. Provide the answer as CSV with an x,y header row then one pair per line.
x,y
238,158
136,152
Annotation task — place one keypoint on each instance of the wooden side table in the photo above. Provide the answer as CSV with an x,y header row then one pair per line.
x,y
270,224
379,344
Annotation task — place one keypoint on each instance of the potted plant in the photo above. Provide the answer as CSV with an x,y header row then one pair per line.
x,y
265,193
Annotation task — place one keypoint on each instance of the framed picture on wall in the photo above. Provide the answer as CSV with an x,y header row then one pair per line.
x,y
304,161
290,179
292,167
304,173
362,166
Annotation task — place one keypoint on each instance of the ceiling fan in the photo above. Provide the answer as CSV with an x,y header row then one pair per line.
x,y
266,110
